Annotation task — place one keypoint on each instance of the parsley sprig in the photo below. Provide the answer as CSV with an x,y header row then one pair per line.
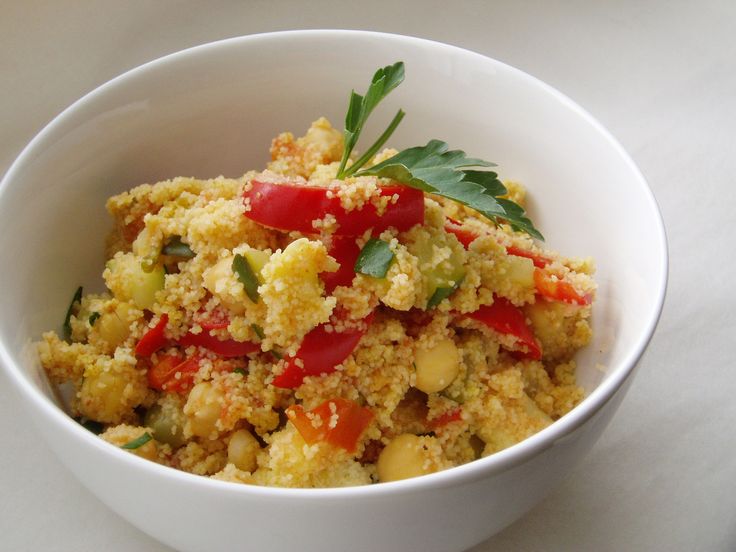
x,y
359,109
433,168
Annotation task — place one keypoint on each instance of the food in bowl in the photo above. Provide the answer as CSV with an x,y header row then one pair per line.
x,y
330,321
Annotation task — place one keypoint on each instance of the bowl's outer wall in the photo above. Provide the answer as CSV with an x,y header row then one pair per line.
x,y
213,110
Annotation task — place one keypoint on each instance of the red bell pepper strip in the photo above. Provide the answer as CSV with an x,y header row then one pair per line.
x,y
153,339
454,415
557,290
465,237
227,348
217,319
162,375
319,353
339,422
345,250
506,318
540,261
290,207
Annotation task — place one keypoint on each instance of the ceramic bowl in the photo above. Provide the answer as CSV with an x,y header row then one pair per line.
x,y
212,110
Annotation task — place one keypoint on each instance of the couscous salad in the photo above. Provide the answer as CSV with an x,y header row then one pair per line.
x,y
332,320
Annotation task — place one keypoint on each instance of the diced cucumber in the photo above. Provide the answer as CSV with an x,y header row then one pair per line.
x,y
257,259
520,271
440,279
132,283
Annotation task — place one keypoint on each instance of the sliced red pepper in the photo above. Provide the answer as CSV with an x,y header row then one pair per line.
x,y
288,206
540,261
339,422
557,290
319,353
345,250
506,318
153,339
185,381
162,375
465,237
454,415
162,371
216,319
224,347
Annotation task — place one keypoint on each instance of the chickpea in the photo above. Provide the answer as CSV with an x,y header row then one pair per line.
x,y
220,271
218,280
203,409
242,450
101,397
437,366
114,327
406,456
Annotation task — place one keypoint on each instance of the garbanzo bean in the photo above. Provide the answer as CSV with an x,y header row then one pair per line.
x,y
242,450
101,397
436,366
203,409
406,456
114,327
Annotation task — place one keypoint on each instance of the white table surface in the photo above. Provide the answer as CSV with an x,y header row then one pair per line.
x,y
660,75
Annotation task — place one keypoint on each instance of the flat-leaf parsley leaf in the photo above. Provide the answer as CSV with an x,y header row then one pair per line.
x,y
436,169
374,259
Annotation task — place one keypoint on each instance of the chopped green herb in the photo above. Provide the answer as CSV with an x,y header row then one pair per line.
x,y
138,442
258,331
177,248
239,371
70,311
442,293
93,318
262,335
359,109
436,169
374,259
247,277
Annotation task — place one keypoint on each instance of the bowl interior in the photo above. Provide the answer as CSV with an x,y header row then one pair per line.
x,y
214,109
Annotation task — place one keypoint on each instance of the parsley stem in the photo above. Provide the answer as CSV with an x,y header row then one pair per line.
x,y
370,152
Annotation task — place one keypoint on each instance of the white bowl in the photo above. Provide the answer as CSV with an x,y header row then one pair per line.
x,y
212,110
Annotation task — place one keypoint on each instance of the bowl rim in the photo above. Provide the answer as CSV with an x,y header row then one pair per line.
x,y
499,462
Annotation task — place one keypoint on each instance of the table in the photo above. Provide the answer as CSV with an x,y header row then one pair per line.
x,y
660,75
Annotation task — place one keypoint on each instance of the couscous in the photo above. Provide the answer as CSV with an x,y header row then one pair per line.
x,y
313,326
